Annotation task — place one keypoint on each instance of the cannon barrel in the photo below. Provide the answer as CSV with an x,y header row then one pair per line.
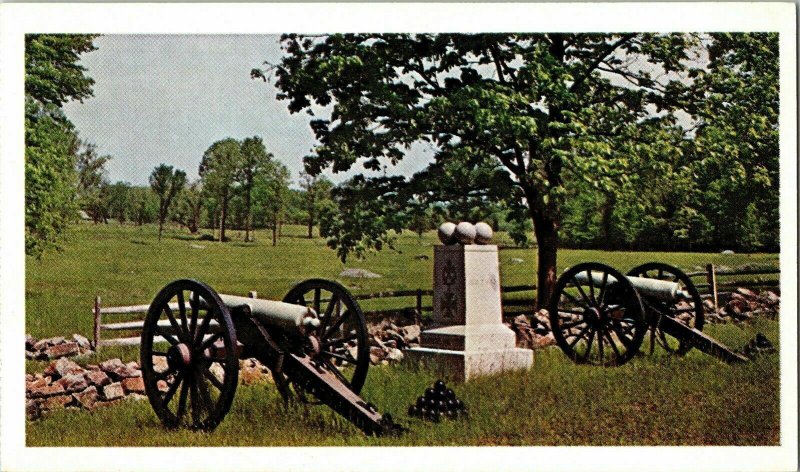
x,y
295,319
662,290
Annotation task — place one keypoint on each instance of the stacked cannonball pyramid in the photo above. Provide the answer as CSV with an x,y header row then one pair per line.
x,y
465,233
438,402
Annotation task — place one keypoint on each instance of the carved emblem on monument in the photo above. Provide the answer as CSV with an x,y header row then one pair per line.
x,y
447,306
449,275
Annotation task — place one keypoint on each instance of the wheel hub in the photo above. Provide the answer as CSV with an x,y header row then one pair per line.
x,y
179,356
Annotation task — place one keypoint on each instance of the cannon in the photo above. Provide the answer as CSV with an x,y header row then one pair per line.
x,y
314,343
600,316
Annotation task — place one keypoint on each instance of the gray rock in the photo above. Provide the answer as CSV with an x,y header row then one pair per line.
x,y
63,350
73,382
133,385
727,252
29,342
394,355
411,333
32,410
747,293
47,342
97,377
62,367
83,343
87,398
376,355
113,391
359,274
47,391
57,402
118,371
517,260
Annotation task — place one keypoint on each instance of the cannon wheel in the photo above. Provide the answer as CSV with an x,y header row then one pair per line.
x,y
188,373
597,322
343,328
656,309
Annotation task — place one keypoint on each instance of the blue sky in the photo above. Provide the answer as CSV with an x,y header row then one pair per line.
x,y
166,98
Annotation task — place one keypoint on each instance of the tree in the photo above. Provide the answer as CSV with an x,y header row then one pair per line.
x,y
92,182
166,183
255,159
736,165
52,78
534,103
317,194
271,192
190,206
119,203
218,171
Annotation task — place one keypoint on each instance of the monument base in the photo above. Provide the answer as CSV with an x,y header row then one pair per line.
x,y
461,366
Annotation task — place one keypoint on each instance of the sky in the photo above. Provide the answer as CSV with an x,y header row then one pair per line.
x,y
167,98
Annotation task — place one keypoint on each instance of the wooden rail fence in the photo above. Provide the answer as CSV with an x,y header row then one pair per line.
x,y
511,306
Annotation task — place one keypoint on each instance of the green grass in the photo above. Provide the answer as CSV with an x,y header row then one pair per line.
x,y
651,400
656,400
127,265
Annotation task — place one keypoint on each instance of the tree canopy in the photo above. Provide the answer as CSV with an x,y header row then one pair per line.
x,y
166,183
549,110
53,76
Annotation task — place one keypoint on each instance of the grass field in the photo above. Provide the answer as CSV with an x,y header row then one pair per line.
x,y
651,400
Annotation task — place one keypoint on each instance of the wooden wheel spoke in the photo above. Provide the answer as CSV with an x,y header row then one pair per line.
x,y
589,345
332,303
317,298
205,394
163,375
602,290
201,331
338,341
196,404
166,336
623,339
573,300
572,324
342,357
174,323
335,326
173,388
600,343
612,344
182,400
591,287
195,313
579,336
158,353
211,340
580,290
571,311
213,379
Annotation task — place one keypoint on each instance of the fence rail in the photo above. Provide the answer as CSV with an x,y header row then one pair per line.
x,y
511,307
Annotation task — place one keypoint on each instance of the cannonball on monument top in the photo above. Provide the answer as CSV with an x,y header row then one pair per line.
x,y
483,233
465,233
447,233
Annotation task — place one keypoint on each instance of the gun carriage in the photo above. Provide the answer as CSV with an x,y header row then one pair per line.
x,y
314,343
600,316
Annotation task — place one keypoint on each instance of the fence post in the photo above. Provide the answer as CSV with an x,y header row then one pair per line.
x,y
419,307
96,323
711,277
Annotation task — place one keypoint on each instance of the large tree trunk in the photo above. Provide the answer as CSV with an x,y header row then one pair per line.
x,y
546,232
275,231
310,228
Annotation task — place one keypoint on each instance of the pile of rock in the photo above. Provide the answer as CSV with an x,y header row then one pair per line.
x,y
532,337
387,340
65,384
743,304
56,348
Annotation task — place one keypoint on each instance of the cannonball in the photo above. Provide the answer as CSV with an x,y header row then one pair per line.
x,y
483,233
447,233
439,386
421,402
450,394
465,232
413,410
430,393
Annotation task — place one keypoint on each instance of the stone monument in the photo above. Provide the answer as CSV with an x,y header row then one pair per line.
x,y
468,337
